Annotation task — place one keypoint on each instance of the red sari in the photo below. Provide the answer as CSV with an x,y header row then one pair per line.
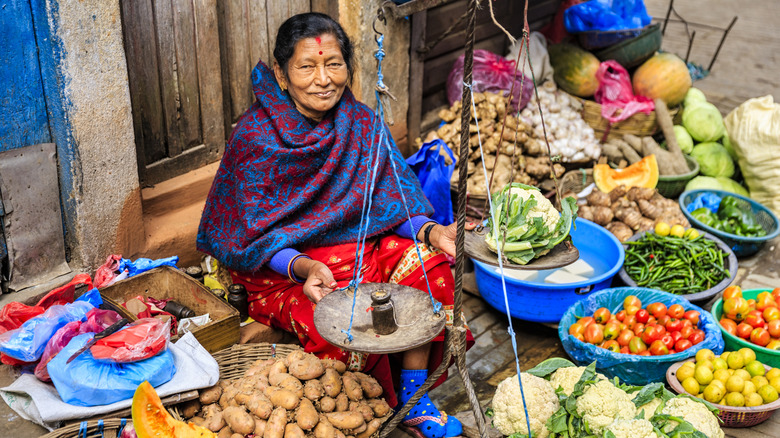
x,y
276,301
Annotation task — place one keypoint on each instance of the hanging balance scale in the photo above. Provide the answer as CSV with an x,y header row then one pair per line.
x,y
560,255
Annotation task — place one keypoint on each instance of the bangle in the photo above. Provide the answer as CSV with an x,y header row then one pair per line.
x,y
427,235
290,273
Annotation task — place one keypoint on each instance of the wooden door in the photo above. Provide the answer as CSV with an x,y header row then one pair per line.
x,y
173,59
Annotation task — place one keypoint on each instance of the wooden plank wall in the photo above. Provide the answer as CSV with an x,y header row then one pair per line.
x,y
438,61
248,34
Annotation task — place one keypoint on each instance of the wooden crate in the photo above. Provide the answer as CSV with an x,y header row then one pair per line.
x,y
166,282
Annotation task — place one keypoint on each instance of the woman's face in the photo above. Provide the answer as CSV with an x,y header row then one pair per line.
x,y
316,75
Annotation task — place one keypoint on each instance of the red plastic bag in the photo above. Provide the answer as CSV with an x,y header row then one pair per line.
x,y
492,73
97,321
14,314
555,31
616,95
143,339
107,272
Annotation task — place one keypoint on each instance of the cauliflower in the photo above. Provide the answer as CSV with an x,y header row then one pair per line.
x,y
632,429
649,407
695,413
541,401
543,209
602,403
568,377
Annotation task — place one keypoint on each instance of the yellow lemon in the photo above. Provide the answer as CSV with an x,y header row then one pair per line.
x,y
768,393
706,363
755,368
691,385
735,361
725,355
735,384
684,372
704,354
748,354
662,229
750,388
719,384
713,393
760,381
753,400
744,374
771,374
691,234
735,399
719,363
677,230
775,383
703,375
722,375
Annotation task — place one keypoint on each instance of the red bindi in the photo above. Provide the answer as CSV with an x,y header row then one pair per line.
x,y
319,41
320,52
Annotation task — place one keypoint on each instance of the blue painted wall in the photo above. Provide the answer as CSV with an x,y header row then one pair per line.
x,y
23,117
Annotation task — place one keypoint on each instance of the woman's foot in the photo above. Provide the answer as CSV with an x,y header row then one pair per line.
x,y
424,415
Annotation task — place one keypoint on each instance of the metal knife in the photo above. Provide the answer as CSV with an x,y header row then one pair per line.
x,y
113,328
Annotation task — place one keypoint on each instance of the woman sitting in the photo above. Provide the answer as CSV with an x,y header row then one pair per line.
x,y
284,210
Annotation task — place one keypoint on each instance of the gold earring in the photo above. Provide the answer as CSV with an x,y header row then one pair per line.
x,y
283,87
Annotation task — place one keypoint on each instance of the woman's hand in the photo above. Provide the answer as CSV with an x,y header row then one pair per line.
x,y
444,237
319,279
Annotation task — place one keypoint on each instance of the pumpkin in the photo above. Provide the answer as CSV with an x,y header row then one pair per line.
x,y
643,173
664,76
574,69
151,420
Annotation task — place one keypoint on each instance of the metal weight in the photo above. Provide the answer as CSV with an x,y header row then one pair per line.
x,y
382,314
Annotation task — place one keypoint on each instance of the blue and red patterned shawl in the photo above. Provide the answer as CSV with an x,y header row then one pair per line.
x,y
285,184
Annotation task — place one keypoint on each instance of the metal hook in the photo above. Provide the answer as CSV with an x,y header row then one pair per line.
x,y
380,16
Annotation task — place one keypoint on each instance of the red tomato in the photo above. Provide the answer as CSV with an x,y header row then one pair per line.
x,y
743,330
631,300
645,353
754,320
630,321
657,309
625,350
751,304
580,336
636,345
576,329
676,311
658,348
601,315
764,300
692,316
652,320
736,308
625,337
663,320
652,333
760,336
674,325
688,323
771,314
611,331
638,329
585,321
594,334
776,294
642,316
676,336
687,330
668,340
773,327
631,310
732,291
683,344
697,337
611,346
621,316
727,324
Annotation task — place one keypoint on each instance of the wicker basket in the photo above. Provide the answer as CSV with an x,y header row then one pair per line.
x,y
234,361
640,124
574,181
730,415
110,428
670,186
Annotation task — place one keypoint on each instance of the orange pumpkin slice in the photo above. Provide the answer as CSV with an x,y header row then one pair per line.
x,y
151,420
643,173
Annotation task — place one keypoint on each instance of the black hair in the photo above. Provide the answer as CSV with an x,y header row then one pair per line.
x,y
309,25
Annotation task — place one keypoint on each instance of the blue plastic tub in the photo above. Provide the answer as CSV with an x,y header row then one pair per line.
x,y
543,302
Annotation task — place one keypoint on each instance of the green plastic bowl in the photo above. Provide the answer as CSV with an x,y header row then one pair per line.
x,y
633,52
670,186
733,343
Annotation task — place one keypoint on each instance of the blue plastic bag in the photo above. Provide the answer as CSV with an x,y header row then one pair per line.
x,y
705,200
142,265
630,368
434,175
28,341
89,382
606,15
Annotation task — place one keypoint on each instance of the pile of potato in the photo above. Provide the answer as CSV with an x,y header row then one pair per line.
x,y
298,396
624,212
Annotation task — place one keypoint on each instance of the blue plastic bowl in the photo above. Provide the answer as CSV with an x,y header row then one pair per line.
x,y
543,302
742,246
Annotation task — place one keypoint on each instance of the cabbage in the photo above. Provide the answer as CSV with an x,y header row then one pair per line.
x,y
713,159
684,139
726,141
703,121
693,96
720,183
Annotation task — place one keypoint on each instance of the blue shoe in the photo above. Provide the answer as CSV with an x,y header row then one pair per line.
x,y
424,415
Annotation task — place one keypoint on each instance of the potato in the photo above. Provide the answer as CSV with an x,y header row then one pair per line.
x,y
228,395
259,427
351,386
293,431
379,406
340,434
236,435
292,384
282,398
198,421
371,388
239,420
277,378
210,395
260,406
335,364
277,368
212,415
342,402
243,397
274,428
306,416
313,390
307,368
324,429
365,410
326,404
225,432
331,382
295,356
346,420
372,427
190,408
359,429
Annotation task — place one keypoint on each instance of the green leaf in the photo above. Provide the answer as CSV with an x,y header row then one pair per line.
x,y
648,393
609,434
489,412
558,422
549,366
709,405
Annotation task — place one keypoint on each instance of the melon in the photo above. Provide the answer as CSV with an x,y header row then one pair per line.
x,y
575,69
664,76
643,173
151,420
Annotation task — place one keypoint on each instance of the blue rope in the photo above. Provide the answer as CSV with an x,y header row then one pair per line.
x,y
500,262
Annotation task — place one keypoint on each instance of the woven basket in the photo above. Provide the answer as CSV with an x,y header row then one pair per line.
x,y
670,186
110,428
575,181
234,361
730,415
640,124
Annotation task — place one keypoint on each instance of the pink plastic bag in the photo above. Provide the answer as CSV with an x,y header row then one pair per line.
x,y
143,339
616,95
492,73
107,272
97,320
